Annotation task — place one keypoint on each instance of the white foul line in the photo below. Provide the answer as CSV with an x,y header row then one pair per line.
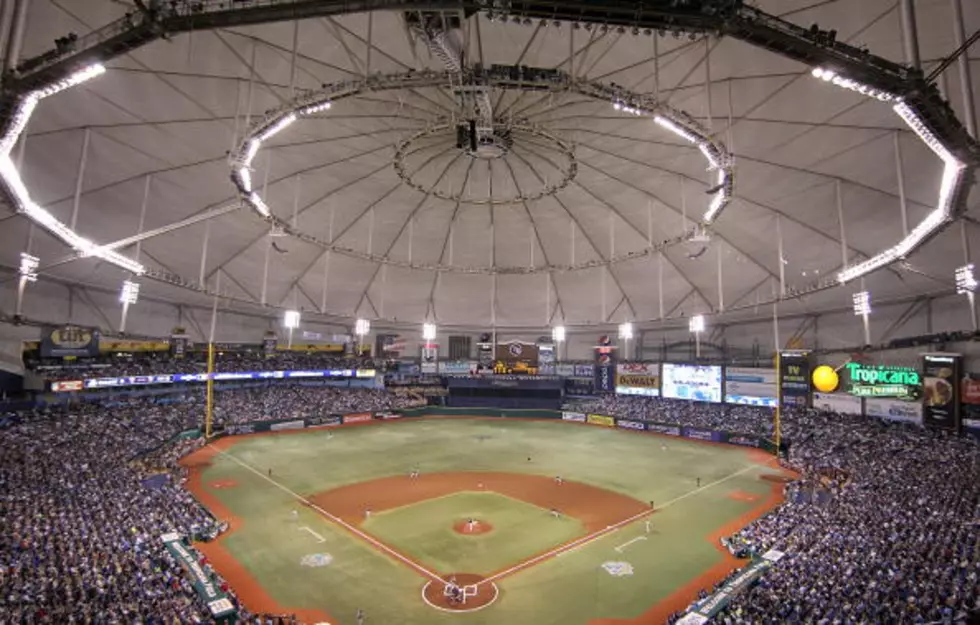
x,y
629,542
319,539
585,540
350,528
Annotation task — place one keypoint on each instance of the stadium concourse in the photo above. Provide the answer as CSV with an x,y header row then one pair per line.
x,y
881,527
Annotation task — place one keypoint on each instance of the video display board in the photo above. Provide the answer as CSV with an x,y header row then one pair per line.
x,y
692,382
750,386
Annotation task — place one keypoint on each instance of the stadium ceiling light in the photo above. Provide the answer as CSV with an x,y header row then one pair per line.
x,y
362,327
846,83
29,265
696,324
14,184
429,331
290,319
966,282
626,330
952,179
558,334
130,292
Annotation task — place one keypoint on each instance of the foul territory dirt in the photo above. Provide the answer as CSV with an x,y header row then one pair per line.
x,y
594,507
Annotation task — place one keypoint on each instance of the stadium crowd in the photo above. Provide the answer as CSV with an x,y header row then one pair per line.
x,y
883,525
895,539
84,516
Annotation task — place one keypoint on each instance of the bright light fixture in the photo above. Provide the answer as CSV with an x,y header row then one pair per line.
x,y
862,303
253,149
130,292
246,178
966,282
362,327
558,334
428,331
943,211
290,319
312,109
626,330
18,190
29,265
281,124
676,129
259,204
696,324
853,85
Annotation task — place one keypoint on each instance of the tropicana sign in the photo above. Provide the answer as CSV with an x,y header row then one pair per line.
x,y
883,381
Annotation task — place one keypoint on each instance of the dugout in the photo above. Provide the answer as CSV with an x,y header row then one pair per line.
x,y
506,391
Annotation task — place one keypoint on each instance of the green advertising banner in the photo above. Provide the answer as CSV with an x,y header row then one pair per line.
x,y
883,381
206,584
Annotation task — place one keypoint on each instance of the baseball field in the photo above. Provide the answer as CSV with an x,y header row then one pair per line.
x,y
327,522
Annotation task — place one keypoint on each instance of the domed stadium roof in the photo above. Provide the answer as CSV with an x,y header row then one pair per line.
x,y
474,170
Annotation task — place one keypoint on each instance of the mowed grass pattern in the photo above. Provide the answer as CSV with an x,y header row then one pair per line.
x,y
569,590
424,531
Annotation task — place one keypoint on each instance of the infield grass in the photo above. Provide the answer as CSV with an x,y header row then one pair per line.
x,y
425,532
569,590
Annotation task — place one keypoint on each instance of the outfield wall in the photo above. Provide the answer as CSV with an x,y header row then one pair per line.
x,y
666,429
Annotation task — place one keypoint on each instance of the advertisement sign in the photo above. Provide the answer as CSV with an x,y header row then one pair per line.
x,y
135,380
457,367
67,386
69,341
598,419
970,399
638,390
941,379
701,434
605,366
659,428
750,386
692,382
269,344
630,425
794,377
837,402
513,352
358,417
430,358
637,378
546,353
206,585
566,371
578,417
743,441
288,425
882,381
893,409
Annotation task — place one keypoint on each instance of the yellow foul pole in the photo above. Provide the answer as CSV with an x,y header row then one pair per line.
x,y
779,397
210,391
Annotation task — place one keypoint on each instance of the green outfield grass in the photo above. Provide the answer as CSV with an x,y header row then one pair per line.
x,y
425,532
567,590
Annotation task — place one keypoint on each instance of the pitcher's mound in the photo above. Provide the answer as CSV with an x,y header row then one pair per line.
x,y
460,592
472,527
